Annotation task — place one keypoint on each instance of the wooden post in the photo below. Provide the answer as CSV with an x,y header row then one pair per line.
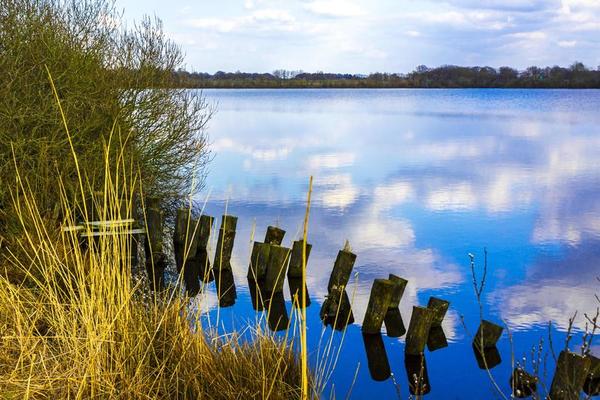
x,y
277,315
191,269
342,269
487,334
379,366
258,261
222,265
437,339
416,372
202,259
394,325
418,330
294,273
276,268
439,308
591,387
379,301
569,376
522,383
487,358
274,235
155,257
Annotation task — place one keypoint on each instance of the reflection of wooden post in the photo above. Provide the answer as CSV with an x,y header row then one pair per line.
x,y
418,330
274,235
437,339
487,334
591,387
569,376
341,269
439,308
155,258
416,372
277,316
522,383
222,265
394,325
487,358
379,301
337,310
379,366
275,275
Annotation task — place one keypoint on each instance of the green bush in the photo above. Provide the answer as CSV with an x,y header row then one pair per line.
x,y
112,82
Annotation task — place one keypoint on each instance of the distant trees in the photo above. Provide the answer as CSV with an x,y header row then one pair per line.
x,y
577,75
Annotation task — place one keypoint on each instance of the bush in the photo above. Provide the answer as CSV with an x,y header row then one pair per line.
x,y
108,79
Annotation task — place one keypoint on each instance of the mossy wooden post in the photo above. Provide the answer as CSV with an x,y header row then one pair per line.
x,y
394,325
259,261
418,330
416,372
569,376
276,268
222,265
439,308
274,235
487,334
379,366
294,273
379,302
155,258
179,235
591,387
342,268
522,383
202,259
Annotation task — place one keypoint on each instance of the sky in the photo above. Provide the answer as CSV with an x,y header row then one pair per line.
x,y
365,36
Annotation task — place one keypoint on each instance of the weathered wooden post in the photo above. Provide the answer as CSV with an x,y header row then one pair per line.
x,y
439,308
202,259
377,360
222,265
418,330
274,235
276,268
294,273
277,315
185,247
342,268
258,261
522,383
394,325
591,387
416,372
569,376
379,302
155,258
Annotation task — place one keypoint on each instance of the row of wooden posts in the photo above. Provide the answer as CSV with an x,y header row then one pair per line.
x,y
271,262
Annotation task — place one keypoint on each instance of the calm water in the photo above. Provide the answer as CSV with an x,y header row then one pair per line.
x,y
416,180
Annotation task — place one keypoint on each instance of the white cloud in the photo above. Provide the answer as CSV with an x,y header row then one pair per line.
x,y
331,161
566,43
334,8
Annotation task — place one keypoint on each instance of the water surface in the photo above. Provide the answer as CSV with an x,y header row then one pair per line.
x,y
415,180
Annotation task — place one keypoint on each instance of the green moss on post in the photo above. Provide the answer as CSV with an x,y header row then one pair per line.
x,y
439,308
342,269
399,287
225,243
276,268
487,334
569,376
418,330
295,267
274,235
258,261
437,339
202,260
379,302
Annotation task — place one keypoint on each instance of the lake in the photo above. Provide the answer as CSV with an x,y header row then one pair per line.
x,y
416,180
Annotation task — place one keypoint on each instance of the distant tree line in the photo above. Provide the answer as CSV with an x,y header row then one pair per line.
x,y
448,76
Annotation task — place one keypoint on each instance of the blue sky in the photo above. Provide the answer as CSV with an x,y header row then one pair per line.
x,y
362,36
